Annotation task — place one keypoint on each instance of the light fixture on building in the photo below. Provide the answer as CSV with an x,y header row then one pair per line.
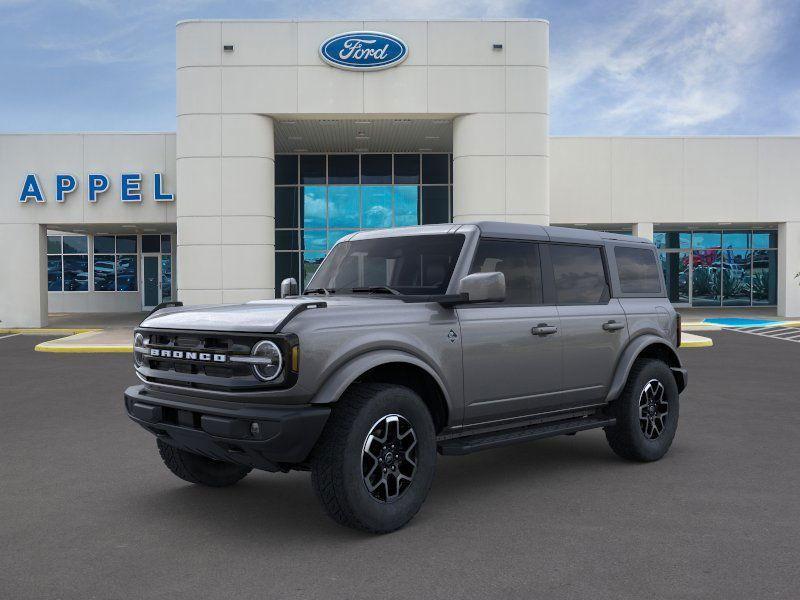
x,y
288,122
228,47
432,137
728,223
402,121
361,150
497,46
363,122
301,150
426,149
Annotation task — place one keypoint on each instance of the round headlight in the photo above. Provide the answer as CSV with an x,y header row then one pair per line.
x,y
138,343
271,363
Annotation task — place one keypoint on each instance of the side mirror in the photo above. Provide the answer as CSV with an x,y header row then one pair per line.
x,y
289,287
483,287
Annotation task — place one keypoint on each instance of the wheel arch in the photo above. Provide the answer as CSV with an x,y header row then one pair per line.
x,y
391,367
646,346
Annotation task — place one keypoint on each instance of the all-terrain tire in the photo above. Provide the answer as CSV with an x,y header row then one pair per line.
x,y
635,435
338,465
199,469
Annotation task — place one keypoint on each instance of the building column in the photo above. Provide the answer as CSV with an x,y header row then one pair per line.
x,y
23,302
226,222
788,266
643,230
501,168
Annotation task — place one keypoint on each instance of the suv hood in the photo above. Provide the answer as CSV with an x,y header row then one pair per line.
x,y
261,316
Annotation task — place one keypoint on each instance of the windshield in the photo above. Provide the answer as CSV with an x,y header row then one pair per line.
x,y
409,265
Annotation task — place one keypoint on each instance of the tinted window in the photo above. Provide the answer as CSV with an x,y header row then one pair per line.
x,y
343,168
518,262
579,274
376,168
638,271
434,168
150,243
285,169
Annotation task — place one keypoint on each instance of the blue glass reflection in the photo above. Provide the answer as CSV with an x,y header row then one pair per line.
x,y
343,206
104,272
76,273
334,235
75,244
765,239
315,240
314,206
54,280
406,205
311,262
126,274
707,239
736,239
376,206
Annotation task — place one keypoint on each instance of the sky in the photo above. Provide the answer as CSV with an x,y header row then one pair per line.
x,y
672,67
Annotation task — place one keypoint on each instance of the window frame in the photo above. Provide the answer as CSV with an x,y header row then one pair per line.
x,y
116,256
606,273
619,292
62,254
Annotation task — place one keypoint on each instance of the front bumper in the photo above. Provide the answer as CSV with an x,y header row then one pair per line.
x,y
284,435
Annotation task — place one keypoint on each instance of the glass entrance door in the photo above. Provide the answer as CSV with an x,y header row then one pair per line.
x,y
151,288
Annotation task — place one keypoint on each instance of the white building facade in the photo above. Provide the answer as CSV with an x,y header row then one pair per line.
x,y
292,134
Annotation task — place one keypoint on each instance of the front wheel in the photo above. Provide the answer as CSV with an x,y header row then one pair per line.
x,y
199,469
374,463
646,413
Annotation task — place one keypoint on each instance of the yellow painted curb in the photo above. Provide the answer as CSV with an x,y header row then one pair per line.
x,y
46,347
695,341
46,331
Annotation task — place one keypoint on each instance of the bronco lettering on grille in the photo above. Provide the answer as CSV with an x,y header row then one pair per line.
x,y
180,354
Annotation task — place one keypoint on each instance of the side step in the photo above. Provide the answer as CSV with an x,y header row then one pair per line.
x,y
496,439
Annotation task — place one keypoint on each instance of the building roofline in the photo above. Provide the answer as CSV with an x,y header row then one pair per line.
x,y
463,20
13,133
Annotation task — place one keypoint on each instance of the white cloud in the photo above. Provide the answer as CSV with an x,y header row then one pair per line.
x,y
671,69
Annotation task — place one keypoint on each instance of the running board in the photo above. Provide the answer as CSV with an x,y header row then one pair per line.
x,y
496,439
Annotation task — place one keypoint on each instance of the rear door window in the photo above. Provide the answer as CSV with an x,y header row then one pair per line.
x,y
518,262
638,271
580,277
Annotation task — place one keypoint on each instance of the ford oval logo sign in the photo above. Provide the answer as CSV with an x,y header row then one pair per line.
x,y
363,50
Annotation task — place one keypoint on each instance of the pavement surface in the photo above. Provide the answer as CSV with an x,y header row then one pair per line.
x,y
89,511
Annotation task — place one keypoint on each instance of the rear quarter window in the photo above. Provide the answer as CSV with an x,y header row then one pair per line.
x,y
638,270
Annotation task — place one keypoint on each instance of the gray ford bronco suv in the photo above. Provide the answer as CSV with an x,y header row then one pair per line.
x,y
451,338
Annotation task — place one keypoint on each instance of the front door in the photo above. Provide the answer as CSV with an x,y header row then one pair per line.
x,y
511,350
151,288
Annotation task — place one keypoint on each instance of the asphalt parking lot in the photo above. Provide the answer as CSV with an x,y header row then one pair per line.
x,y
88,510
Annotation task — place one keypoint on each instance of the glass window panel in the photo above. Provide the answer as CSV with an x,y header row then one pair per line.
x,y
312,168
706,239
315,239
765,277
150,243
285,169
434,168
765,239
287,239
672,239
126,244
435,205
638,271
166,244
75,244
54,279
376,206
579,274
518,262
376,168
314,206
706,277
103,272
166,278
104,244
343,168
406,205
343,206
334,235
54,244
126,274
311,262
286,207
736,277
406,168
736,239
76,273
286,265
676,275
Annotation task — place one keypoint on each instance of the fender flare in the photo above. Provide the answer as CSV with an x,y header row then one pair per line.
x,y
632,352
346,374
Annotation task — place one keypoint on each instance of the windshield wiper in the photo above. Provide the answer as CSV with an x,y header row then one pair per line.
x,y
375,289
322,290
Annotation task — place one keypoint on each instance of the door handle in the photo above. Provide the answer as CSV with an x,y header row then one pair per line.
x,y
613,326
544,329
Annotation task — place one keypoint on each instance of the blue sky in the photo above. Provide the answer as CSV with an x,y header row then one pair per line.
x,y
617,68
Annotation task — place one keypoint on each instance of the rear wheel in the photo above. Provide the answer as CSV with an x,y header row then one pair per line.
x,y
199,469
646,413
374,463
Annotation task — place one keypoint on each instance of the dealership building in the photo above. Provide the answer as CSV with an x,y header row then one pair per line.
x,y
291,135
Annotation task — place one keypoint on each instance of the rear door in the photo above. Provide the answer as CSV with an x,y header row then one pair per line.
x,y
593,324
512,349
